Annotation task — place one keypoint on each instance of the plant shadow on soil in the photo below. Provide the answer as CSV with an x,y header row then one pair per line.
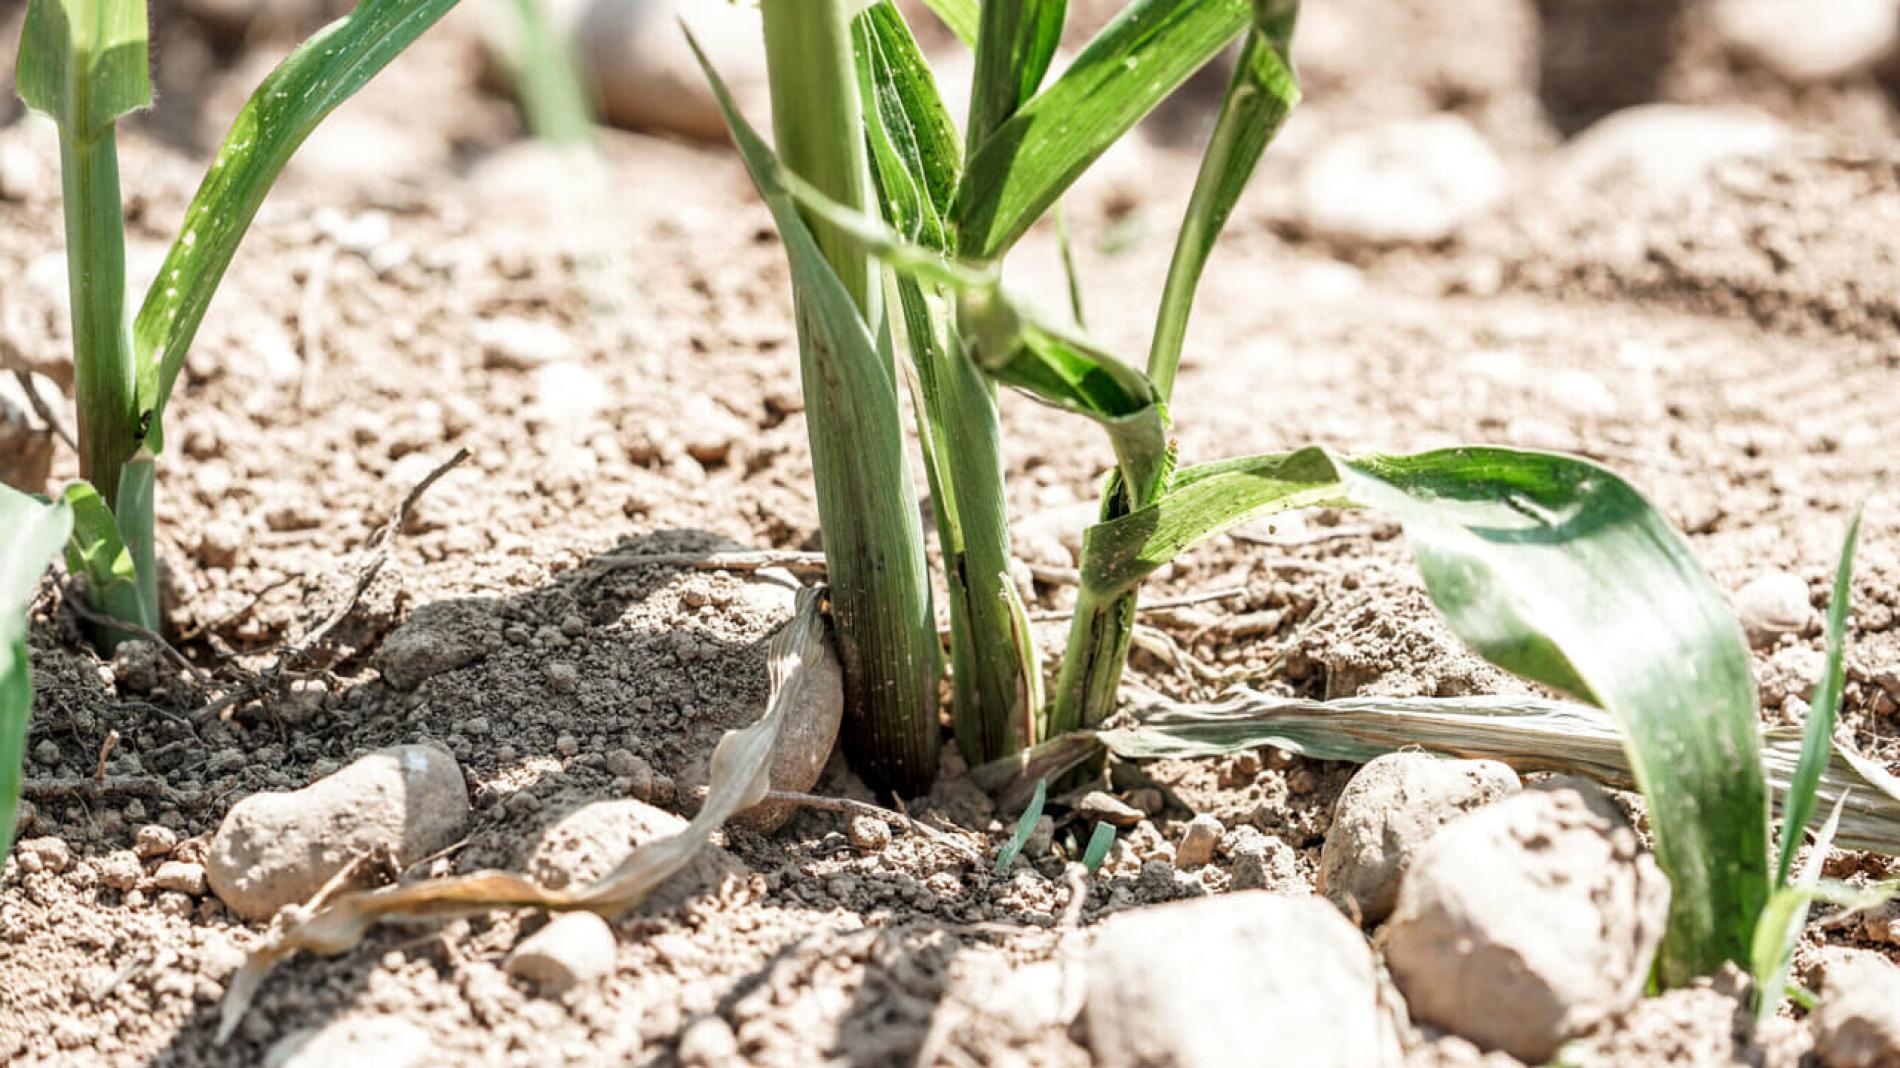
x,y
657,660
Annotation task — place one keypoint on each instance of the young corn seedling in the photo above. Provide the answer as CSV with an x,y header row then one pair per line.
x,y
84,64
1548,566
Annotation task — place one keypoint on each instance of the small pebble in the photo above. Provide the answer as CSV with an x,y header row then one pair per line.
x,y
563,677
155,841
708,1043
1772,604
119,870
574,949
1198,841
869,834
47,753
44,854
182,876
1109,809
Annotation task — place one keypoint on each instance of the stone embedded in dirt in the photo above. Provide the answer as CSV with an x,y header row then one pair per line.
x,y
574,949
1709,1022
1662,148
119,869
868,833
1805,44
1773,603
1529,921
384,1041
277,849
708,1042
44,854
138,666
1857,1022
592,840
709,430
1387,813
1203,833
155,841
805,739
1109,809
437,638
645,76
1262,861
1416,181
516,343
1201,984
182,876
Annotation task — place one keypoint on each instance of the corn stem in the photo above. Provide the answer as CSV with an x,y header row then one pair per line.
x,y
105,375
873,534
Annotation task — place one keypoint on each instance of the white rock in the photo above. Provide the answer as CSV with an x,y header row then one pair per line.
x,y
181,876
708,1043
1417,180
1773,603
1805,43
384,1041
1198,841
646,77
568,395
1528,921
1204,983
1387,813
1662,148
592,840
277,849
574,949
1857,1023
514,342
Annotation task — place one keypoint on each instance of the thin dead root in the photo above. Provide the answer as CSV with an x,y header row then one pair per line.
x,y
849,807
84,611
377,548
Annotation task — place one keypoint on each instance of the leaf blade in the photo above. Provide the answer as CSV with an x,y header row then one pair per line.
x,y
321,74
1135,61
1817,734
31,533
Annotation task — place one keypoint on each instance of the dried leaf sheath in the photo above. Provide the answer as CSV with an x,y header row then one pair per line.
x,y
739,778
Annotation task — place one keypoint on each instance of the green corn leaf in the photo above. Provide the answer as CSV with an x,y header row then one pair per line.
x,y
1205,501
874,538
1014,344
913,142
1555,569
85,63
1779,929
1015,40
1025,826
31,533
1263,92
98,551
1100,842
960,16
322,73
1817,736
1136,60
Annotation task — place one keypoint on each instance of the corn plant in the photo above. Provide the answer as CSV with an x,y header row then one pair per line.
x,y
31,532
84,64
1547,565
